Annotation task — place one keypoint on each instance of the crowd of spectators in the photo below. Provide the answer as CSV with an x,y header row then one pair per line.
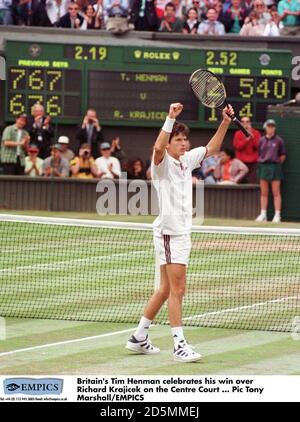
x,y
28,147
208,17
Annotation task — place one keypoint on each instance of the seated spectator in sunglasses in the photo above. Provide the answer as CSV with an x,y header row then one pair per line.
x,y
108,167
72,19
252,26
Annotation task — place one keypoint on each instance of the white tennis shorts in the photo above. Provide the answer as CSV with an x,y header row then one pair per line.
x,y
172,249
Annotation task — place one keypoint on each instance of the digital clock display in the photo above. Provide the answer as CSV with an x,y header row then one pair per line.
x,y
135,85
84,52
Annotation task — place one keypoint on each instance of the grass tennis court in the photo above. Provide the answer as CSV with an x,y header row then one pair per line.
x,y
224,351
44,346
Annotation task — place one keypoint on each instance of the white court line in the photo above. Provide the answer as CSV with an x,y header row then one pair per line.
x,y
58,264
59,343
253,305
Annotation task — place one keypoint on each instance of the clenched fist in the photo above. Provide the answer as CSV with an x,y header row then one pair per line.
x,y
175,110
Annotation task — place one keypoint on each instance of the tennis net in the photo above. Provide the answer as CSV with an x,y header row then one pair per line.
x,y
105,271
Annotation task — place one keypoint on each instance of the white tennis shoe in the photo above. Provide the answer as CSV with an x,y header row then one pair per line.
x,y
261,218
144,346
276,218
185,353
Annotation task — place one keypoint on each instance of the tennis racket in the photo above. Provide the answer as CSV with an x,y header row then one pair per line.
x,y
208,88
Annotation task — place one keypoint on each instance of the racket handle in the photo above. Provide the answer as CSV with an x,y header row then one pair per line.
x,y
240,126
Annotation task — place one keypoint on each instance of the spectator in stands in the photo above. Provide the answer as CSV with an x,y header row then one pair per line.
x,y
91,19
55,165
220,12
100,12
192,22
246,149
33,163
208,167
6,12
229,170
261,12
208,4
66,152
72,19
136,169
234,17
56,9
107,166
272,154
84,166
82,4
117,11
248,5
170,23
289,13
30,13
91,132
252,26
160,8
143,15
117,151
40,129
15,140
211,26
179,9
200,7
273,27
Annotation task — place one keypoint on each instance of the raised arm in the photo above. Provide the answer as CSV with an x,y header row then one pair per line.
x,y
215,143
164,135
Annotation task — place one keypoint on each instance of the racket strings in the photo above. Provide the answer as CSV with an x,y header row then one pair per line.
x,y
208,89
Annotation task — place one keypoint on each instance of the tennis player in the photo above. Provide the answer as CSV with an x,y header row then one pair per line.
x,y
171,171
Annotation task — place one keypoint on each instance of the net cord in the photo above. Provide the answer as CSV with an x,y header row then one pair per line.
x,y
145,226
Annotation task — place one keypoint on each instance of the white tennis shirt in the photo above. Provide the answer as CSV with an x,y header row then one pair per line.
x,y
172,180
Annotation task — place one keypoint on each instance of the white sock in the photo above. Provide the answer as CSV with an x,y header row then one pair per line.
x,y
263,212
177,333
277,213
142,330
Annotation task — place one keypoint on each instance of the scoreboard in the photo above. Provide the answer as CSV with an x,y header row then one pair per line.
x,y
133,86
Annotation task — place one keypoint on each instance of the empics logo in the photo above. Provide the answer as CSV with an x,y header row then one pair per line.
x,y
12,387
33,387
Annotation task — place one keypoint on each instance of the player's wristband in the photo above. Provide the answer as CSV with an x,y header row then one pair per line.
x,y
168,125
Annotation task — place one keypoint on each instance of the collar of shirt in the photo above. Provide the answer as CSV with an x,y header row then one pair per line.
x,y
270,139
178,163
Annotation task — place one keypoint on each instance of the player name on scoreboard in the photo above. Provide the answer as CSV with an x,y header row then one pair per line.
x,y
139,96
134,86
